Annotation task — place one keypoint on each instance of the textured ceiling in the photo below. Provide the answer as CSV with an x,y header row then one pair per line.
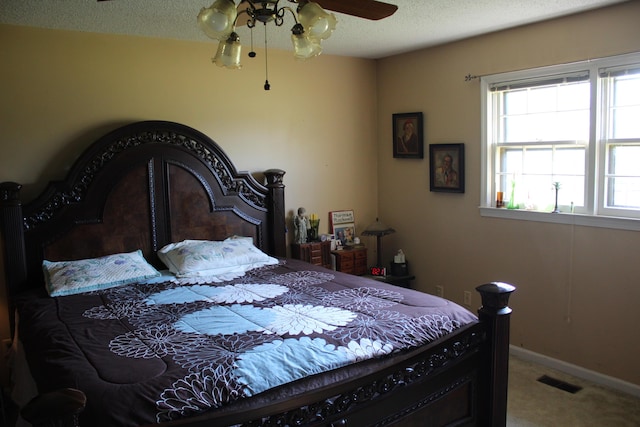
x,y
416,24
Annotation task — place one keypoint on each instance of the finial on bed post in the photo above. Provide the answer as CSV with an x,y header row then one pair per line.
x,y
277,222
496,313
12,232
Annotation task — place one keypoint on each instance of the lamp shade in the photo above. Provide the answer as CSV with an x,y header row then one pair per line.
x,y
217,21
228,54
316,21
304,47
378,228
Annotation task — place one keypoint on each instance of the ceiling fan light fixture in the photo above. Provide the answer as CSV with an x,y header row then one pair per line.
x,y
228,53
316,21
312,24
218,20
304,47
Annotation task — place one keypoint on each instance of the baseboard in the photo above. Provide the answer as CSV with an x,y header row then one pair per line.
x,y
576,371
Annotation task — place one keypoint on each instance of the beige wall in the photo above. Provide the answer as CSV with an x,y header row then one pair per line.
x,y
61,90
577,291
578,287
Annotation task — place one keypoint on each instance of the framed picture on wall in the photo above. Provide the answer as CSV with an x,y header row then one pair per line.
x,y
408,140
446,167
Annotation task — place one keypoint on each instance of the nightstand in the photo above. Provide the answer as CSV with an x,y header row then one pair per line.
x,y
402,281
351,260
316,253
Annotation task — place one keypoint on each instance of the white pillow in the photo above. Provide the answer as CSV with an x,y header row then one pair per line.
x,y
74,277
234,255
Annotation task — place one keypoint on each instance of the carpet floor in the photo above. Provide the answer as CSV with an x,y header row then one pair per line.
x,y
532,403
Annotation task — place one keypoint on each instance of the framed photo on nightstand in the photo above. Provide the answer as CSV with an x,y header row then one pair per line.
x,y
345,233
343,226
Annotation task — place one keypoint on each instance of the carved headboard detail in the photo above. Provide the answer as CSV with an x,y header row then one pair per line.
x,y
140,186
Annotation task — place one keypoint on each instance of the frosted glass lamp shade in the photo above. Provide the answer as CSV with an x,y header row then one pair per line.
x,y
305,47
228,54
316,21
217,21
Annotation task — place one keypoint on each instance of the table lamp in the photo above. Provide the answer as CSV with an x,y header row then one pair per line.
x,y
378,229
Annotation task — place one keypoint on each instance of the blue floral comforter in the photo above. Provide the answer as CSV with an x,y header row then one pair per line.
x,y
166,350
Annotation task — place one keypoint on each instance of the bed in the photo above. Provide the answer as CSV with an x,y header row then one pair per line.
x,y
348,351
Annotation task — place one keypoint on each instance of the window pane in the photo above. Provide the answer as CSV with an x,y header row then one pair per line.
x,y
624,176
627,90
536,192
625,107
515,102
624,160
569,170
542,99
626,122
573,97
546,113
624,193
538,161
509,166
535,169
517,129
571,191
512,161
569,161
572,126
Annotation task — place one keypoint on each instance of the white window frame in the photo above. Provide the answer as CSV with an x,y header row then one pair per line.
x,y
594,213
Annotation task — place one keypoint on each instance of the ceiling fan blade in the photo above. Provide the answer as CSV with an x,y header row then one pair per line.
x,y
242,17
368,9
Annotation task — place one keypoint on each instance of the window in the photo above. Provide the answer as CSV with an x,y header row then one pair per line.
x,y
573,126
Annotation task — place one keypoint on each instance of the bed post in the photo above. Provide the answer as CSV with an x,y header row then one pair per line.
x,y
12,232
496,313
277,224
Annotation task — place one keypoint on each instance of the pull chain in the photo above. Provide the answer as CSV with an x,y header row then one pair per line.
x,y
267,86
252,54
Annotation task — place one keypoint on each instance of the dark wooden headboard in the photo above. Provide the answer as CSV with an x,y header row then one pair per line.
x,y
141,186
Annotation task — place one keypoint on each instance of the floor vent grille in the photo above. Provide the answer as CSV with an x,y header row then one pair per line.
x,y
562,385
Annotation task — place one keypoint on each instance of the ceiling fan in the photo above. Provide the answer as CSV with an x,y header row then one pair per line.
x,y
312,24
367,9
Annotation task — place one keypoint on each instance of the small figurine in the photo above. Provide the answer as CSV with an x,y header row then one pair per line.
x,y
301,225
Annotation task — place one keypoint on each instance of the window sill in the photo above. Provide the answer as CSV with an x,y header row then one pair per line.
x,y
563,218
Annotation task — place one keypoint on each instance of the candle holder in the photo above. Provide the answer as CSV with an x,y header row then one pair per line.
x,y
312,233
556,187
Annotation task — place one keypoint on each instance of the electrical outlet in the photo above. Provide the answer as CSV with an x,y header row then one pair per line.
x,y
440,291
467,298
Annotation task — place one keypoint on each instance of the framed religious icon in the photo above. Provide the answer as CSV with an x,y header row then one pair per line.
x,y
446,167
408,140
